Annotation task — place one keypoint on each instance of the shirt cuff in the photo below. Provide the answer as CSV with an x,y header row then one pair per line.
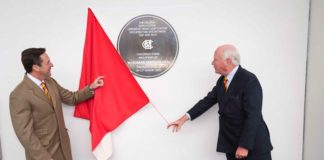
x,y
188,115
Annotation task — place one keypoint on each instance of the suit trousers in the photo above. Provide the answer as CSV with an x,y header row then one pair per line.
x,y
263,156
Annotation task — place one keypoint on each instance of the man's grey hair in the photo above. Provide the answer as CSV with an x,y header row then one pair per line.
x,y
233,54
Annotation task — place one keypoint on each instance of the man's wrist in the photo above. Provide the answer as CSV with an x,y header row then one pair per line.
x,y
188,116
91,89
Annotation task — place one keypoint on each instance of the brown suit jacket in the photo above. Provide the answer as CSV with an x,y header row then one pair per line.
x,y
39,123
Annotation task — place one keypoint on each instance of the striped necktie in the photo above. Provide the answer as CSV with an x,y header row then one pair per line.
x,y
45,90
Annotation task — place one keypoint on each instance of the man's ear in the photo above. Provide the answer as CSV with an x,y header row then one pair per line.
x,y
36,67
228,61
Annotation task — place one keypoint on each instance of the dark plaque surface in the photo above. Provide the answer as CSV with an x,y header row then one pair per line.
x,y
149,46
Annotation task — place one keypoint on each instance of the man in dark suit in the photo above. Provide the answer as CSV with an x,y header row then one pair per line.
x,y
36,108
243,134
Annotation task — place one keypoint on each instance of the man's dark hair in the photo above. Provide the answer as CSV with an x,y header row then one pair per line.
x,y
31,56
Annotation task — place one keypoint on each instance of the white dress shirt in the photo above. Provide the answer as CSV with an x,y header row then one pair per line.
x,y
35,80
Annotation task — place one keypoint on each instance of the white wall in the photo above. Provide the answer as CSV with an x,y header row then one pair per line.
x,y
270,34
314,130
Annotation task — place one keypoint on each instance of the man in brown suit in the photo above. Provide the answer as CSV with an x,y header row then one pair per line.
x,y
36,108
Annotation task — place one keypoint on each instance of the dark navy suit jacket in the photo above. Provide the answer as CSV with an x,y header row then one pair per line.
x,y
240,117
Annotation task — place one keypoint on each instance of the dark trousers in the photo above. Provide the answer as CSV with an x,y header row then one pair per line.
x,y
263,156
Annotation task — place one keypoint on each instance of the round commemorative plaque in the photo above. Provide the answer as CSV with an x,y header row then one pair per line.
x,y
149,46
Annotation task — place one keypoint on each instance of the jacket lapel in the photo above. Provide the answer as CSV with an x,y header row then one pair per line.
x,y
51,93
38,92
234,85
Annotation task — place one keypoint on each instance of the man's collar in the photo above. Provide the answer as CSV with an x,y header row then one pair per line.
x,y
232,73
34,79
